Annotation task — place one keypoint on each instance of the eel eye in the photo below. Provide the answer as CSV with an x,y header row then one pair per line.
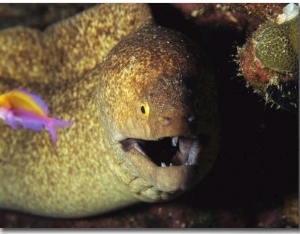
x,y
145,109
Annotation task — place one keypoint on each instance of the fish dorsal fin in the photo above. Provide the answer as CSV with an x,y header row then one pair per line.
x,y
24,100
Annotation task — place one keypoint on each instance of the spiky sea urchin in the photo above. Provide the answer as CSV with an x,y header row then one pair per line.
x,y
269,60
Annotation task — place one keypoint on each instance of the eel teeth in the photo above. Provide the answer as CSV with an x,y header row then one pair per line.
x,y
174,141
139,149
163,164
195,148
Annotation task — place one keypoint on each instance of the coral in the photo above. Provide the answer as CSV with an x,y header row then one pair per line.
x,y
276,48
239,16
270,219
269,61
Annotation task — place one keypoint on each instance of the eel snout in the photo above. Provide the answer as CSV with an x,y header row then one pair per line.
x,y
169,165
166,166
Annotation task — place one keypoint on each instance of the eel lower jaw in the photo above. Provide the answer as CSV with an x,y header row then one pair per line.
x,y
167,151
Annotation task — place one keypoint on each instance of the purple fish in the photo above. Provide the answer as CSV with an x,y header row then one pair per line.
x,y
21,108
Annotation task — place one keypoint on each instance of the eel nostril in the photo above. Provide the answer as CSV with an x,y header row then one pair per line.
x,y
191,118
166,120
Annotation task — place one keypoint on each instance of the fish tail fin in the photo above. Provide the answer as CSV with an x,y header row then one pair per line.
x,y
54,124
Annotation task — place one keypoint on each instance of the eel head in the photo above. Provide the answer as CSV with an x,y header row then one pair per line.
x,y
150,94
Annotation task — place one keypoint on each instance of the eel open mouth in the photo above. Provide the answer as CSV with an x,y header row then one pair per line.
x,y
168,151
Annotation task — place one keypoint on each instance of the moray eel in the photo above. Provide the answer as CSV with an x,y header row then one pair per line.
x,y
144,105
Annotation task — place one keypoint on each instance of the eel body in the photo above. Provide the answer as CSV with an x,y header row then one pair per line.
x,y
144,105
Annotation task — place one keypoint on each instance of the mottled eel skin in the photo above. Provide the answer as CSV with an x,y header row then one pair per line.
x,y
131,87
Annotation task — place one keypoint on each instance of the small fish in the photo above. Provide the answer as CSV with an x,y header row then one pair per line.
x,y
21,108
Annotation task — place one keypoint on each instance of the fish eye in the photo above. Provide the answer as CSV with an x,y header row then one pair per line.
x,y
145,109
